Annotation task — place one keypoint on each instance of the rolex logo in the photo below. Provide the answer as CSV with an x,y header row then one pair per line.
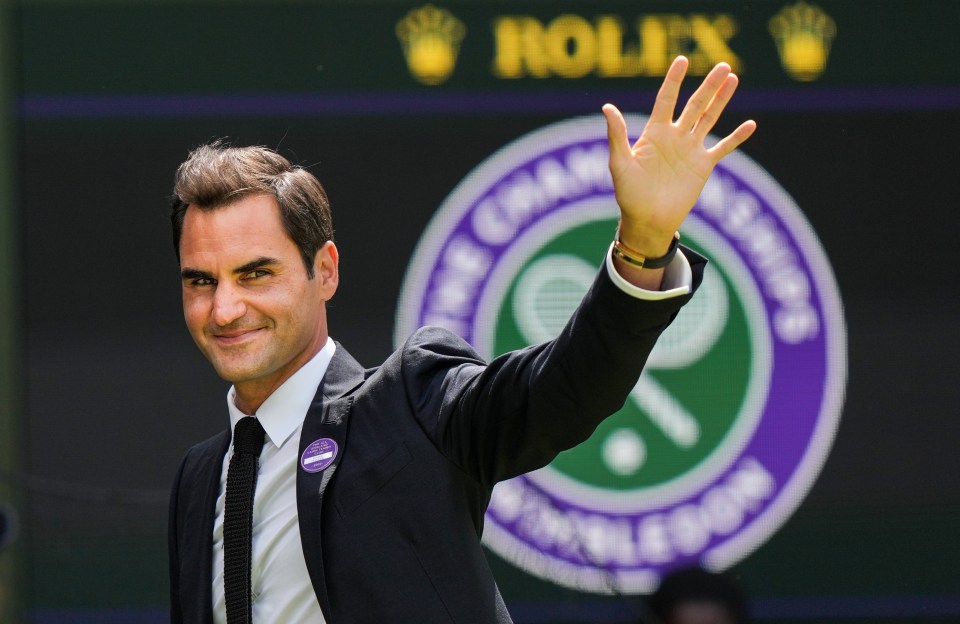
x,y
431,40
803,33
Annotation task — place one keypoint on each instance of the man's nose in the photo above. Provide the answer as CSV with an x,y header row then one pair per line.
x,y
228,304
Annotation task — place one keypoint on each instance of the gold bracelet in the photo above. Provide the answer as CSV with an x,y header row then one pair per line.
x,y
637,259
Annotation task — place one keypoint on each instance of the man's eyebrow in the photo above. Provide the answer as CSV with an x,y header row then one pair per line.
x,y
253,265
189,273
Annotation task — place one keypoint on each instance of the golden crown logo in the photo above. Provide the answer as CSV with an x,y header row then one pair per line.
x,y
803,33
431,41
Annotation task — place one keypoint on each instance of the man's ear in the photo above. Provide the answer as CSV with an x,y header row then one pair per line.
x,y
326,269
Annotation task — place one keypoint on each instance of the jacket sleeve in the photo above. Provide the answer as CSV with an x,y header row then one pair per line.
x,y
518,412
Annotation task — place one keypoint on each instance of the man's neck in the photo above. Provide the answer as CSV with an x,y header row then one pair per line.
x,y
251,394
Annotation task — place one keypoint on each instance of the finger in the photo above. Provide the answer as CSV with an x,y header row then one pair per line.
x,y
666,102
616,132
710,116
732,141
702,97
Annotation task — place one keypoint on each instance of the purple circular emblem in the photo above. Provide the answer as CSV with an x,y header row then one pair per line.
x,y
318,455
737,408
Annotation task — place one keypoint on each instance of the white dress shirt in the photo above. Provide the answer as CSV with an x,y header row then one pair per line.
x,y
281,590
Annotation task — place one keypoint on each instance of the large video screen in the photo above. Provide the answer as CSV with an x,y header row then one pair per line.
x,y
795,427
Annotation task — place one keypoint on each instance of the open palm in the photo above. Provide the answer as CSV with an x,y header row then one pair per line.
x,y
658,179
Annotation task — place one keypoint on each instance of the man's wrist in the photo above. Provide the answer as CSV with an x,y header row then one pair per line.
x,y
640,260
674,280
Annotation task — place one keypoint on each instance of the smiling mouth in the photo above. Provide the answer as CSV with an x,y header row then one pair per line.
x,y
235,337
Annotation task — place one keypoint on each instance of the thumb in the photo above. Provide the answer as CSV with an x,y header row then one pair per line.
x,y
616,133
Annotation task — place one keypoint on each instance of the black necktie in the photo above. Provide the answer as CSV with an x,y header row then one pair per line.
x,y
238,518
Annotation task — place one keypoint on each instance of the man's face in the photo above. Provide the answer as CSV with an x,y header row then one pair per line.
x,y
247,300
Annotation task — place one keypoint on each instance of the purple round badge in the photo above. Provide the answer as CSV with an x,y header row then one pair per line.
x,y
318,455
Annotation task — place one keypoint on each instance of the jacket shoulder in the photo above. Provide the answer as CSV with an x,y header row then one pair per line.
x,y
201,454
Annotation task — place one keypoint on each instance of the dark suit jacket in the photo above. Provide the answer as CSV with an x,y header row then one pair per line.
x,y
391,530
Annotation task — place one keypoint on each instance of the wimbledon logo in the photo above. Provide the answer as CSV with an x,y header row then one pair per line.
x,y
733,417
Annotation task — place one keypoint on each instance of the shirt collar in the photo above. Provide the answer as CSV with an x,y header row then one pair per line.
x,y
283,411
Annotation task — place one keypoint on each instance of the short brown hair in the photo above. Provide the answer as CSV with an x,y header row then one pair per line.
x,y
216,175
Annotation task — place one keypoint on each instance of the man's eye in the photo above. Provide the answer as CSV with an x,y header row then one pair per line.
x,y
203,281
257,274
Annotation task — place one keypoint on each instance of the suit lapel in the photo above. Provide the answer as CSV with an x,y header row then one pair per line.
x,y
202,503
325,423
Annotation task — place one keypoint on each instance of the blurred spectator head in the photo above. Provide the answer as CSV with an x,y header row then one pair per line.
x,y
8,525
695,596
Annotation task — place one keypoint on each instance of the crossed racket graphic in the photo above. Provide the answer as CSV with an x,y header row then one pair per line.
x,y
548,292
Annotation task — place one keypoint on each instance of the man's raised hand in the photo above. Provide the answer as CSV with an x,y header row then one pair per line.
x,y
658,179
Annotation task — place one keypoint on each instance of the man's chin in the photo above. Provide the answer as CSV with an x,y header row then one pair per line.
x,y
236,373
